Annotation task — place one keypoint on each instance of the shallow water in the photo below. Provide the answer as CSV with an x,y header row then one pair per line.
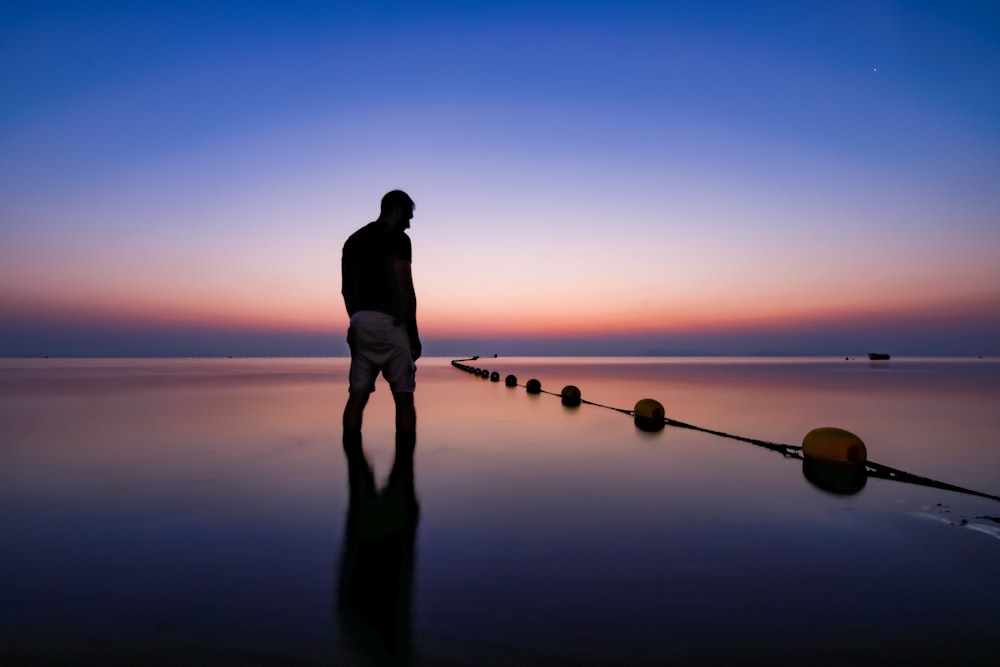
x,y
196,511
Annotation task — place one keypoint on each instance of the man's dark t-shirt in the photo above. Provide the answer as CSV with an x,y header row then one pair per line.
x,y
367,269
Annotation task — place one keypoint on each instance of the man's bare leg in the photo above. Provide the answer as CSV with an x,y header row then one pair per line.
x,y
406,412
355,409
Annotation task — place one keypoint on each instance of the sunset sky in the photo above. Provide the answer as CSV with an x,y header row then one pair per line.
x,y
590,177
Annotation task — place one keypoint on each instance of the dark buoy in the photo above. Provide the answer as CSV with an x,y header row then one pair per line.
x,y
570,396
485,374
828,443
533,386
649,415
510,381
478,372
494,377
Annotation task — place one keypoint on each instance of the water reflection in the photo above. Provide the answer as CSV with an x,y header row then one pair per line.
x,y
846,478
836,477
377,558
203,508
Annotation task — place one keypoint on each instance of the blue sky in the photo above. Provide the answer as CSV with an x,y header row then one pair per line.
x,y
608,177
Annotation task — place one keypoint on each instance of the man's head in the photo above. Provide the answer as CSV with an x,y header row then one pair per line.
x,y
397,209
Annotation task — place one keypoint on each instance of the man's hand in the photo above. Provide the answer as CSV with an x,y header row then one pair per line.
x,y
416,349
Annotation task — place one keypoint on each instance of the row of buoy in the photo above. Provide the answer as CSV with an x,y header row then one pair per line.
x,y
825,443
648,413
833,459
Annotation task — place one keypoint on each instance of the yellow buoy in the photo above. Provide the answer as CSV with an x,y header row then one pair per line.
x,y
834,444
570,396
649,414
533,386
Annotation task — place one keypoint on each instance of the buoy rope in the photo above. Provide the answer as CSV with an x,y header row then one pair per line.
x,y
631,413
885,472
790,451
871,468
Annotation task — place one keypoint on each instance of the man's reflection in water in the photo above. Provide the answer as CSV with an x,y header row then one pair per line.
x,y
377,560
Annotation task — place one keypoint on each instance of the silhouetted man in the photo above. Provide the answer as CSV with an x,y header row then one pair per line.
x,y
378,291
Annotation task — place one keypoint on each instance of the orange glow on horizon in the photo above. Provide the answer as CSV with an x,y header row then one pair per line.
x,y
485,320
481,320
168,314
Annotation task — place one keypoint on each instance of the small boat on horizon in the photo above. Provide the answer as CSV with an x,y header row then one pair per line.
x,y
878,356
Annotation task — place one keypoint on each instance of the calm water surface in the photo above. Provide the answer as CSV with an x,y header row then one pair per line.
x,y
202,512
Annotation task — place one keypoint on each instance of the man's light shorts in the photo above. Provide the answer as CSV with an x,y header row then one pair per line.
x,y
379,344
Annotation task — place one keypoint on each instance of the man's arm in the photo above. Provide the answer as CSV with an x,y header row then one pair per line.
x,y
408,296
349,285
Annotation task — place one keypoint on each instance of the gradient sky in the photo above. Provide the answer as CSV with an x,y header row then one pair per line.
x,y
590,177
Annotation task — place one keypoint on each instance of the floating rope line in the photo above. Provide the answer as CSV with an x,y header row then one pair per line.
x,y
823,451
